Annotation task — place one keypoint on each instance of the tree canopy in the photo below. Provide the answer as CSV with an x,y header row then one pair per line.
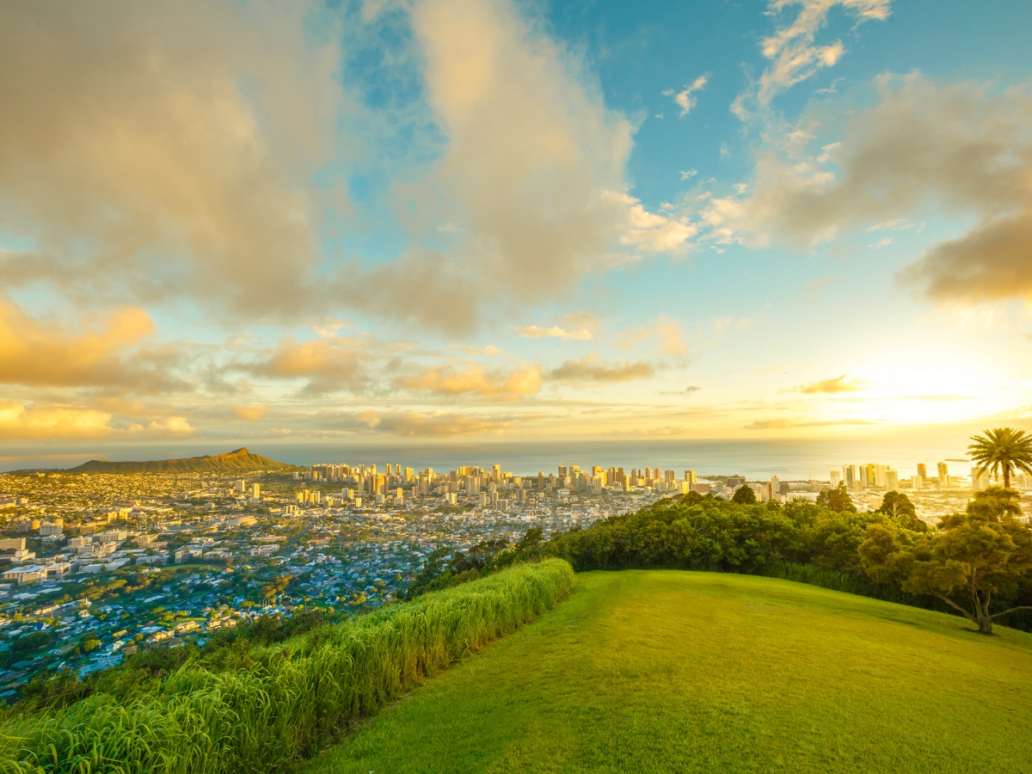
x,y
837,499
973,556
899,507
744,495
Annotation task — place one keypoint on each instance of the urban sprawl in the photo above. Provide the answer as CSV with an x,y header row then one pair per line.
x,y
97,566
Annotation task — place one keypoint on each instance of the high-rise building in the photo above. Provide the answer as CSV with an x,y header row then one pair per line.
x,y
922,470
835,478
891,480
849,474
690,477
56,527
944,476
979,480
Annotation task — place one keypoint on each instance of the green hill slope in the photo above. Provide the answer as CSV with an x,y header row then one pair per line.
x,y
679,671
239,461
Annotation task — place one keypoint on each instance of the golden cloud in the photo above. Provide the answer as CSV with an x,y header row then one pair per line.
x,y
18,422
591,368
419,424
832,386
328,363
250,413
474,379
96,352
555,332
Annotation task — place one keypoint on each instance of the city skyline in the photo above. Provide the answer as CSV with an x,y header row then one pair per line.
x,y
486,221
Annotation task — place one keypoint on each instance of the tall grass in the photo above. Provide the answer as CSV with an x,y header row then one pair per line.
x,y
292,697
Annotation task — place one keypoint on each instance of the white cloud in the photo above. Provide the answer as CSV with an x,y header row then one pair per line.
x,y
793,50
684,98
898,158
651,232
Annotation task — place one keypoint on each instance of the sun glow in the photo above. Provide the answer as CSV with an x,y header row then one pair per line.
x,y
931,390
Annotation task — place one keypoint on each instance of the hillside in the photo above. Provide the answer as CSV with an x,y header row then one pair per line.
x,y
239,461
682,671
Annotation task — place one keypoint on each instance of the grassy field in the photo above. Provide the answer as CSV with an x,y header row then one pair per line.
x,y
678,671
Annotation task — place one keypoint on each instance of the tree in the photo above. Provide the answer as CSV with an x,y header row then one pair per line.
x,y
972,557
744,495
1001,449
90,644
899,507
837,499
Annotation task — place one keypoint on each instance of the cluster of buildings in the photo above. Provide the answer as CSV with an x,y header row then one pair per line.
x,y
860,478
143,559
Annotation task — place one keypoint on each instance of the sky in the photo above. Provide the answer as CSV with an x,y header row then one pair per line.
x,y
465,221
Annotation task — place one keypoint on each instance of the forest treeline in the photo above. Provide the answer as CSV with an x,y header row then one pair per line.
x,y
887,554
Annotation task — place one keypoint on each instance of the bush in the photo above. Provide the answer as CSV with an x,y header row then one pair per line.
x,y
292,697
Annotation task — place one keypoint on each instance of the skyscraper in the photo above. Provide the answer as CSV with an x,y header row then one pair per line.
x,y
979,481
944,476
849,474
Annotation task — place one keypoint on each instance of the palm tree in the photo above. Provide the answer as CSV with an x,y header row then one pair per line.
x,y
1001,449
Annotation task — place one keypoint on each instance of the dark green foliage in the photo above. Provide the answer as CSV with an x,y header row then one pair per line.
x,y
708,533
975,559
744,495
25,647
444,568
837,499
143,671
800,541
902,510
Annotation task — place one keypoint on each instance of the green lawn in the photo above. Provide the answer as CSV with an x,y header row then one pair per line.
x,y
680,671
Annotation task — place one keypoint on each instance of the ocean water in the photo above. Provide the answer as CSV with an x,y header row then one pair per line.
x,y
787,459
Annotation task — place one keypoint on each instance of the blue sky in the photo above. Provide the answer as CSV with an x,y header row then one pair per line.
x,y
447,220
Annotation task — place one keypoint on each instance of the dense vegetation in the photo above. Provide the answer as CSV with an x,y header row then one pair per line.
x,y
665,671
799,541
239,461
258,708
143,671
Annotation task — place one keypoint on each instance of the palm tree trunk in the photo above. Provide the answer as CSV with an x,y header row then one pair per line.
x,y
1006,475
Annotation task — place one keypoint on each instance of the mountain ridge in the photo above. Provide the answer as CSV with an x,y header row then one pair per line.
x,y
238,461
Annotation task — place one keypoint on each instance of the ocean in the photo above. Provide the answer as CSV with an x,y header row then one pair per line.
x,y
755,459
